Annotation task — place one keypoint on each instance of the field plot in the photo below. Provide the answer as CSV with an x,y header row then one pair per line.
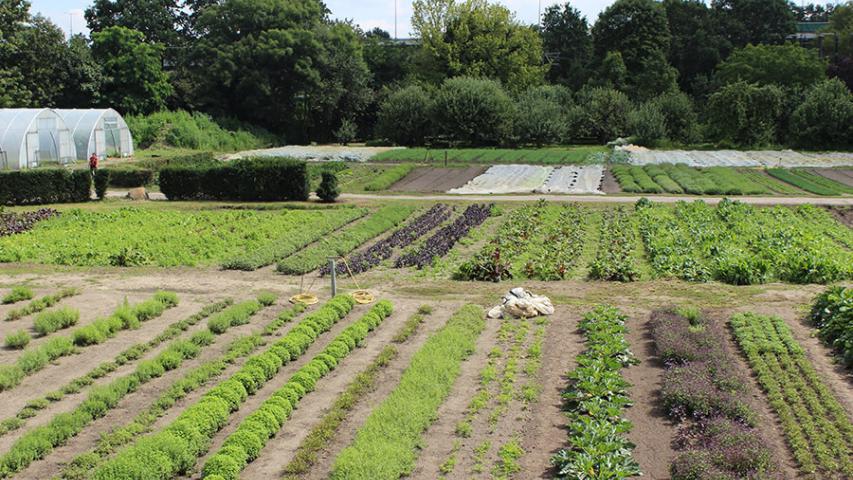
x,y
682,179
840,175
810,181
573,180
433,180
738,158
579,155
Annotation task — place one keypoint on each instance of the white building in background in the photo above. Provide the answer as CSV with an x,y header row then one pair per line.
x,y
101,131
32,137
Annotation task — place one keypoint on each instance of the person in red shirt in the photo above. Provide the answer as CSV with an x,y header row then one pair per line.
x,y
93,163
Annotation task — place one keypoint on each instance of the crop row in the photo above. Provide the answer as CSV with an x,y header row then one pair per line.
x,y
739,244
17,294
538,241
403,237
816,426
389,177
12,223
810,182
128,355
443,240
680,178
614,259
82,465
125,317
38,442
595,398
386,444
45,323
832,314
174,449
40,304
364,382
345,240
704,391
294,239
252,434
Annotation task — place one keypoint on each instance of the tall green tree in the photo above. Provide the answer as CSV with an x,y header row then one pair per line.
x,y
41,53
479,39
83,76
638,30
13,13
785,65
160,21
743,22
134,81
568,45
696,46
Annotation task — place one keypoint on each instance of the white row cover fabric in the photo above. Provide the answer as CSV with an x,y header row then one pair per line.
x,y
101,131
577,180
535,179
738,158
30,137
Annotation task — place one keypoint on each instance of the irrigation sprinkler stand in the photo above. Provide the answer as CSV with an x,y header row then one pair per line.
x,y
333,267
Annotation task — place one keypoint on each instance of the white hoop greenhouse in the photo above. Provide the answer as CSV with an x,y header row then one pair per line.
x,y
101,131
30,137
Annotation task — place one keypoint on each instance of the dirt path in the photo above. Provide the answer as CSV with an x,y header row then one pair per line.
x,y
603,199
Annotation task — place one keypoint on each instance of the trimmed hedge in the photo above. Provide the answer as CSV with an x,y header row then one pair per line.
x,y
50,185
253,179
130,177
244,445
102,181
173,450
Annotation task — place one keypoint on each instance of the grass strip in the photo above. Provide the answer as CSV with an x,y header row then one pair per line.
x,y
38,442
250,437
34,359
385,447
18,294
130,354
175,449
596,395
82,466
346,240
40,304
389,177
364,382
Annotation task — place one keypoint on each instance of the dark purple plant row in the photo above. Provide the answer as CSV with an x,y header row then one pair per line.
x,y
12,223
704,389
383,249
442,241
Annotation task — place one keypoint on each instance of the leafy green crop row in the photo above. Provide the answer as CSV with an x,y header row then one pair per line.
x,y
82,465
832,314
17,294
810,182
42,303
680,178
55,320
614,260
576,155
164,237
128,355
35,359
816,426
174,450
38,442
739,244
386,444
345,240
389,177
293,239
596,396
245,444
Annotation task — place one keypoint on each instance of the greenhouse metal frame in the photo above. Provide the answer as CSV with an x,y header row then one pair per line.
x,y
100,131
30,137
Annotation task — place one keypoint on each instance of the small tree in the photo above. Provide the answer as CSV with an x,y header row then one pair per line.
x,y
825,118
648,124
102,181
540,115
404,117
680,117
328,190
606,112
473,111
347,132
745,114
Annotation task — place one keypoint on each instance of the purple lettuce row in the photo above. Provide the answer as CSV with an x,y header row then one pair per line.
x,y
442,241
383,249
12,223
703,386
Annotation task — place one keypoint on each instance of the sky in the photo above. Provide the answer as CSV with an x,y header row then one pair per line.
x,y
68,14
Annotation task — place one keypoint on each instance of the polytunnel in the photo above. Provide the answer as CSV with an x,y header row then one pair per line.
x,y
101,131
30,137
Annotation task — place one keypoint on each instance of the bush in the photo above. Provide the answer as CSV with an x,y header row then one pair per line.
x,y
53,320
102,181
472,111
346,132
404,117
49,185
832,314
745,114
605,113
196,131
255,179
648,124
541,115
679,117
825,118
328,190
18,294
17,339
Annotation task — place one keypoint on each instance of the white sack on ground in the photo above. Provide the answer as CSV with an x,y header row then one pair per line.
x,y
520,303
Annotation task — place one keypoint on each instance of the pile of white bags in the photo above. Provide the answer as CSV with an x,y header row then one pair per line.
x,y
520,303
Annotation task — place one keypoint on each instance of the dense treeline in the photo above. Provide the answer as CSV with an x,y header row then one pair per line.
x,y
662,71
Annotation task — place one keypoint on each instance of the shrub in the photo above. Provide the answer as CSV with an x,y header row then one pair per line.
x,y
472,111
648,124
404,117
328,190
679,117
745,114
17,339
18,294
53,320
102,181
825,118
541,115
196,131
346,132
605,112
49,185
254,179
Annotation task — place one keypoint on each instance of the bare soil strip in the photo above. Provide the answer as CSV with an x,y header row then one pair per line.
x,y
609,183
842,176
843,215
431,179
